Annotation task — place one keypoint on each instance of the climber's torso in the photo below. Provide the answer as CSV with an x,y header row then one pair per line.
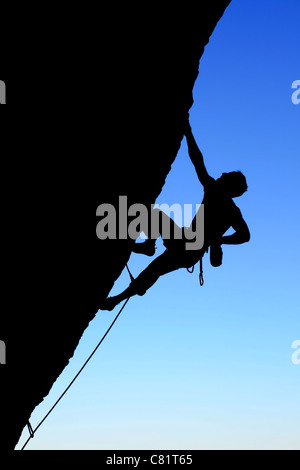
x,y
220,213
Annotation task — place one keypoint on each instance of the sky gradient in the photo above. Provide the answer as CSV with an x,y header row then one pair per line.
x,y
210,368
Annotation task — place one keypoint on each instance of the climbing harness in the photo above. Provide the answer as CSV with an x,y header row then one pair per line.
x,y
33,431
201,277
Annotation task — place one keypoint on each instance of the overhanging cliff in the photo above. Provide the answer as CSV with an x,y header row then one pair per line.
x,y
128,88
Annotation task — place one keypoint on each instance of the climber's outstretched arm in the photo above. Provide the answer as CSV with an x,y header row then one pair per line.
x,y
197,157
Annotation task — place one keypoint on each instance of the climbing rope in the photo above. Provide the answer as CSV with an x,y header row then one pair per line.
x,y
33,431
129,272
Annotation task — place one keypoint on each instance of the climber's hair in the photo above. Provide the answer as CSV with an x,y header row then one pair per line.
x,y
237,183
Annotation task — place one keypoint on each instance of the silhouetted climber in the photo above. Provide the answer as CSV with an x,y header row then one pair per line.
x,y
220,213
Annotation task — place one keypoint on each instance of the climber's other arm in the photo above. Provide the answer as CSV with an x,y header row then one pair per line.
x,y
197,157
241,235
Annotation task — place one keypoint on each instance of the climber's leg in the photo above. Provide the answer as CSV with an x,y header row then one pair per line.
x,y
146,248
161,225
165,263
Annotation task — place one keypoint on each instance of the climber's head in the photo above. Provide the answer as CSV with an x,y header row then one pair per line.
x,y
234,184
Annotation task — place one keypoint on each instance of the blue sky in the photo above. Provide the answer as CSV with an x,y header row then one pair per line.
x,y
210,368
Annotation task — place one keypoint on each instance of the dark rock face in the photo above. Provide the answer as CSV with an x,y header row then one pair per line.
x,y
127,89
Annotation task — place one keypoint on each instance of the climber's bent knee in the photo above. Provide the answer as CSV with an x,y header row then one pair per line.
x,y
138,288
141,292
144,281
